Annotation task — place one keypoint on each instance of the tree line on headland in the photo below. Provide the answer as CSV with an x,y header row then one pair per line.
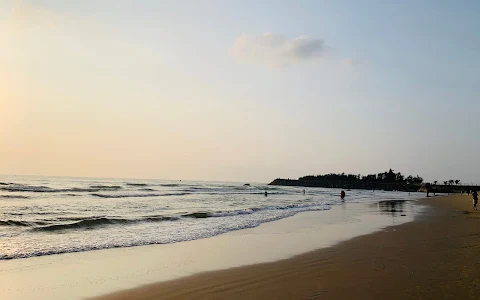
x,y
388,181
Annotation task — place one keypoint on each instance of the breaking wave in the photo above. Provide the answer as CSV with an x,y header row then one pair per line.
x,y
93,223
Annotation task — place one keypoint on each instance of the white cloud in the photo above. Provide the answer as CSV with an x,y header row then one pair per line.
x,y
275,50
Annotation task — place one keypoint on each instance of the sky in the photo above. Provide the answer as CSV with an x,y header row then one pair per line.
x,y
245,90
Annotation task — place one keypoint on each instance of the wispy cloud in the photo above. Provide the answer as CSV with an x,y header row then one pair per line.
x,y
275,50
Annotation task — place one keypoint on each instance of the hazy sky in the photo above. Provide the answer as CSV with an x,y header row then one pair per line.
x,y
239,90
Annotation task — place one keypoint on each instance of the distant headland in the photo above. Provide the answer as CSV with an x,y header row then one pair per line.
x,y
387,181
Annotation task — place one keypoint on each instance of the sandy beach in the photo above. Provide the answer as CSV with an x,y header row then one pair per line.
x,y
434,257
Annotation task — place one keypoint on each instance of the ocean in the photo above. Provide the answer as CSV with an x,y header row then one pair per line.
x,y
52,215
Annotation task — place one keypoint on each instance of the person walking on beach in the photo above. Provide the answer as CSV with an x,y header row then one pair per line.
x,y
475,200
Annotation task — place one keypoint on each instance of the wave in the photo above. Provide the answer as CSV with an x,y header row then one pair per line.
x,y
157,219
244,193
136,184
248,211
14,223
137,195
197,215
20,223
88,223
80,190
28,188
70,219
233,191
92,223
126,195
13,197
46,189
106,187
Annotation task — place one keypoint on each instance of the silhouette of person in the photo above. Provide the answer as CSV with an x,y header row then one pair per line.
x,y
475,200
428,187
304,191
342,195
266,194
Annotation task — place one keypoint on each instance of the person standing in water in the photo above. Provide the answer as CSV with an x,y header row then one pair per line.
x,y
342,195
475,199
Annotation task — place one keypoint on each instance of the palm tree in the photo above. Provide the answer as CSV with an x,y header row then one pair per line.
x,y
451,181
435,182
445,182
457,181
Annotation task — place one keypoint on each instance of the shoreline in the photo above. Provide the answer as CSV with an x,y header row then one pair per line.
x,y
433,257
88,274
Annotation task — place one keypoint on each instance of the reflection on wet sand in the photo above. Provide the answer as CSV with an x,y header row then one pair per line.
x,y
395,208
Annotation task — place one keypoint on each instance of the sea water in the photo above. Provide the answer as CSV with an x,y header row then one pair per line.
x,y
52,215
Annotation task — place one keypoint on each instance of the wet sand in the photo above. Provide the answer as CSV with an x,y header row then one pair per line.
x,y
437,256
